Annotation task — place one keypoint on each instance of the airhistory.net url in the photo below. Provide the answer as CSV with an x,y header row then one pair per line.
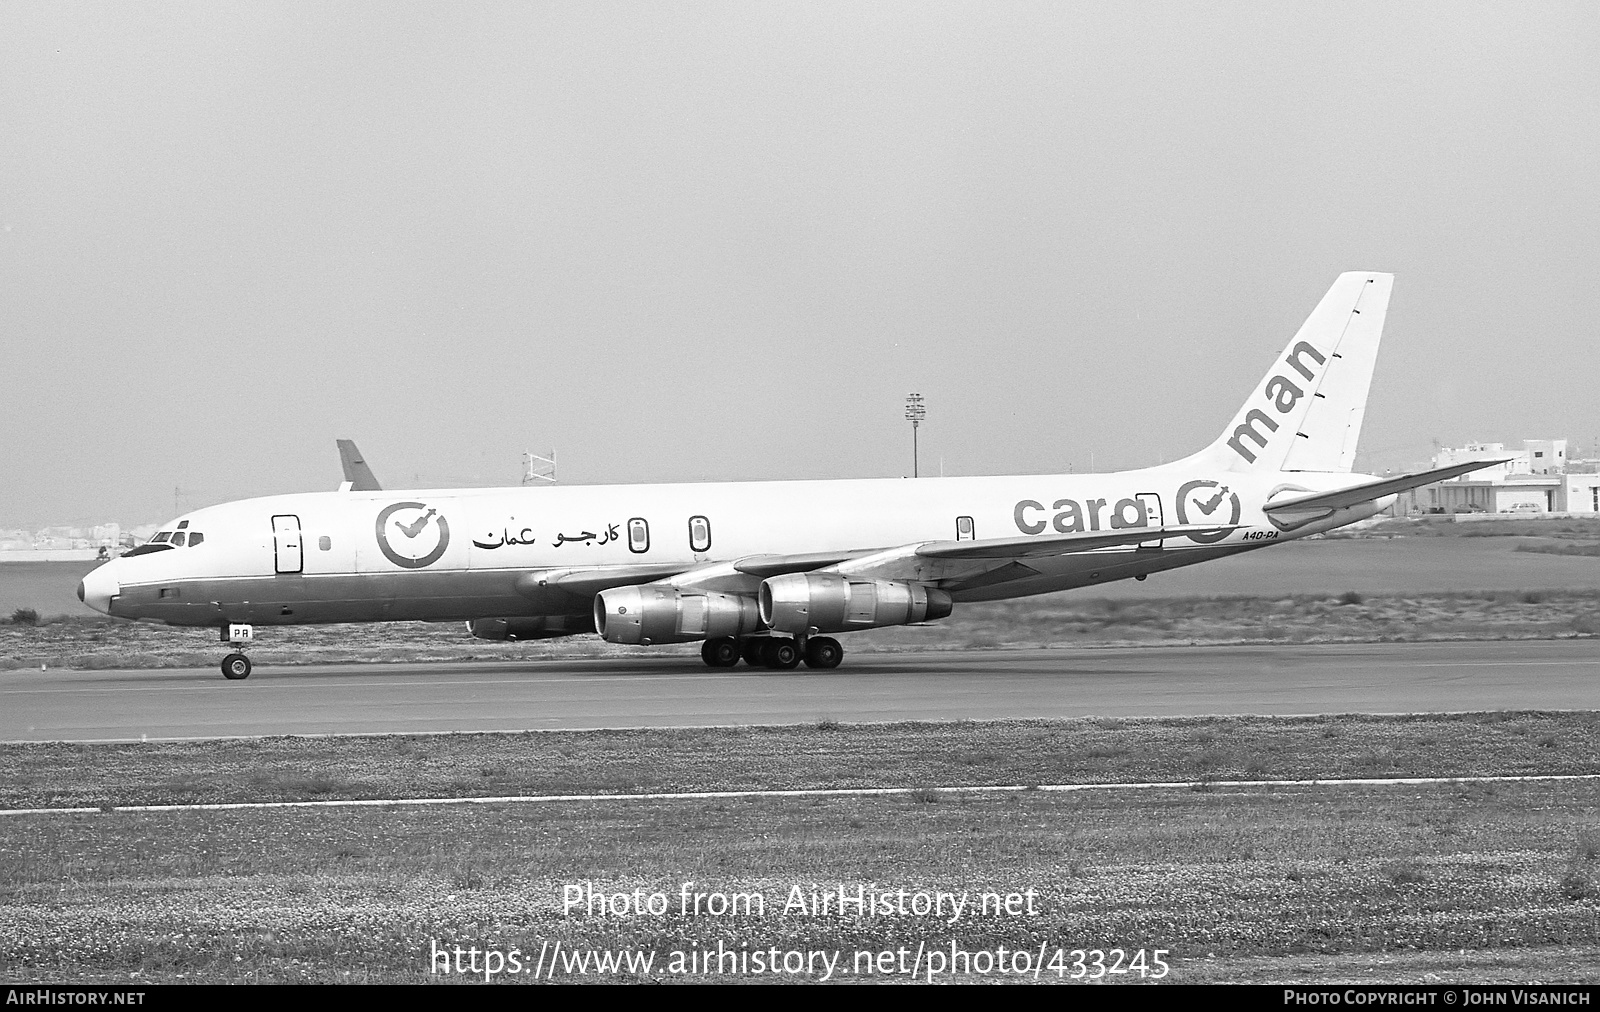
x,y
557,961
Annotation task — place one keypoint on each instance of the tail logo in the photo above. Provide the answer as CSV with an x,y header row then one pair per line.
x,y
1283,395
422,534
1202,502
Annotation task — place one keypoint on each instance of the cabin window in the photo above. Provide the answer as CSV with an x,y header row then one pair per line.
x,y
699,534
195,537
325,543
168,593
638,535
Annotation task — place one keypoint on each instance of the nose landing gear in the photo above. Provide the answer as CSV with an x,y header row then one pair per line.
x,y
236,665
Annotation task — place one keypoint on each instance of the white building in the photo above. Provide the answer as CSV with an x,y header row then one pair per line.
x,y
1533,480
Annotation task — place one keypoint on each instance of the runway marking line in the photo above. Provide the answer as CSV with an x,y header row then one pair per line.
x,y
817,792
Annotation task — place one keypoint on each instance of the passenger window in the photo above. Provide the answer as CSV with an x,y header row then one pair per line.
x,y
195,537
699,534
638,535
325,543
177,539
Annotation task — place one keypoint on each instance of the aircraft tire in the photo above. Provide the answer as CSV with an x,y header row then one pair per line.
x,y
823,652
235,667
753,651
781,654
720,652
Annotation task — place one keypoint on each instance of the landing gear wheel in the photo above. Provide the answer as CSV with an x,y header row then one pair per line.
x,y
235,667
721,652
753,651
823,652
781,654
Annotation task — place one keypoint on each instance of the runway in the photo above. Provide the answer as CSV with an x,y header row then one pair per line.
x,y
679,692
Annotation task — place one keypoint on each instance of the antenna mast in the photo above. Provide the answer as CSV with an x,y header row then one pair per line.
x,y
539,469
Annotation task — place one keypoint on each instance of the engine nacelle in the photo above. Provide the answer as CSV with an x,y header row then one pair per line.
x,y
804,603
530,627
652,614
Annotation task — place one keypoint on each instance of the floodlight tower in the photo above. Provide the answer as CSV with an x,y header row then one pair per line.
x,y
916,411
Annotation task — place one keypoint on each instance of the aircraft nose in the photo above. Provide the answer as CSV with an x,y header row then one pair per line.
x,y
98,588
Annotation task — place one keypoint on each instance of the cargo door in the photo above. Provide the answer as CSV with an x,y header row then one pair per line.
x,y
1152,514
290,557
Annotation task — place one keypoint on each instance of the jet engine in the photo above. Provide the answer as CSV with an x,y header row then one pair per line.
x,y
530,627
806,603
655,614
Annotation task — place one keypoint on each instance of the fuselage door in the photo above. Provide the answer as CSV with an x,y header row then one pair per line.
x,y
965,531
290,558
1152,514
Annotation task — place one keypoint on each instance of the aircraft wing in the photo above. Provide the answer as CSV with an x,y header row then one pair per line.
x,y
586,582
1374,489
356,471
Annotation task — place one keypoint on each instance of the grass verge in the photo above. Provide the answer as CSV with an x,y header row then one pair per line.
x,y
1051,621
1304,884
828,755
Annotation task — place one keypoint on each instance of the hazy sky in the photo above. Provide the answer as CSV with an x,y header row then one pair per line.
x,y
694,241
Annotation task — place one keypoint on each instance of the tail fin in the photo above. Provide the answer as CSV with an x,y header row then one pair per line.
x,y
356,471
1306,414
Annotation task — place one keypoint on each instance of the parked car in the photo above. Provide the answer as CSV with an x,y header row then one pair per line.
x,y
1470,507
1524,507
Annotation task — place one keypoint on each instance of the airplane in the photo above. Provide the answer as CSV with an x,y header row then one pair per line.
x,y
769,572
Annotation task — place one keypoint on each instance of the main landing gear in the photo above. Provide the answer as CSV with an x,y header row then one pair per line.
x,y
780,653
236,665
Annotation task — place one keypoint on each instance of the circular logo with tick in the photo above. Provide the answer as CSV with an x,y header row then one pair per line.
x,y
412,534
1202,502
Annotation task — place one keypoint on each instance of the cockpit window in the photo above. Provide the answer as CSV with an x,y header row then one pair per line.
x,y
161,538
195,537
182,524
178,539
146,550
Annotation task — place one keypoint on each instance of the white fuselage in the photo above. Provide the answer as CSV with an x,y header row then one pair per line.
x,y
447,554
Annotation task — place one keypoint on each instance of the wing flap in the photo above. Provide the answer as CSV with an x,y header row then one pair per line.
x,y
1036,545
764,566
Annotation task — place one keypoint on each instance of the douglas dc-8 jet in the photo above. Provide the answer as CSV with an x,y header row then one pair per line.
x,y
769,571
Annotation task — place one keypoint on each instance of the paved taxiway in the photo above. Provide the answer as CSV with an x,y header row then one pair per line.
x,y
678,691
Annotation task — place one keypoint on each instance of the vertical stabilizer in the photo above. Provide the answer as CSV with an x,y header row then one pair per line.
x,y
356,471
1306,413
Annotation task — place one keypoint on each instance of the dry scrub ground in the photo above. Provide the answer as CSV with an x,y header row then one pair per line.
x,y
1455,881
1052,621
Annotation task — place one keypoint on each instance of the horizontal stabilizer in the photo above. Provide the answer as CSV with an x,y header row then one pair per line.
x,y
1359,494
1056,544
